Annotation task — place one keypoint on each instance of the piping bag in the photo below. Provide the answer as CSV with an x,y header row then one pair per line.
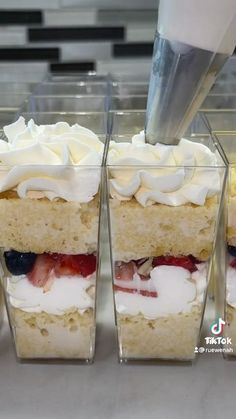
x,y
194,38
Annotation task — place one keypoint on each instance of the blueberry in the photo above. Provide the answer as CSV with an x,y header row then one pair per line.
x,y
232,250
19,263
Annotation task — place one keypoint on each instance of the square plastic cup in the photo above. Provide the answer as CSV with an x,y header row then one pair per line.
x,y
219,102
224,88
124,103
50,248
121,122
129,88
16,88
76,77
10,102
65,103
6,117
161,243
226,253
131,78
68,88
220,121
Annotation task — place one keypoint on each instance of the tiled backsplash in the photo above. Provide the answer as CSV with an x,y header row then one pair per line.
x,y
75,35
56,37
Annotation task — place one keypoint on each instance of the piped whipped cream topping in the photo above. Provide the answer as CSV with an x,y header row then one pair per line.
x,y
177,292
66,293
170,175
52,161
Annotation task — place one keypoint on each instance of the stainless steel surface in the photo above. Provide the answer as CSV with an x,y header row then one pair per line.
x,y
181,77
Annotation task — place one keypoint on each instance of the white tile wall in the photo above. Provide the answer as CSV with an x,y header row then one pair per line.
x,y
124,66
29,4
85,51
70,17
27,71
112,4
77,51
127,16
140,32
12,35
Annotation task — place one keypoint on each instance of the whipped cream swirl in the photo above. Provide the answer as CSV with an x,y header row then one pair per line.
x,y
52,161
170,175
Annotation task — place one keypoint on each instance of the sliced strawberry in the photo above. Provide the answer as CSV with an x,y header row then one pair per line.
x,y
86,264
43,266
233,263
71,265
182,261
125,271
144,293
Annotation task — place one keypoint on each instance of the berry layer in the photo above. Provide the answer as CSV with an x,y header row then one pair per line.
x,y
51,283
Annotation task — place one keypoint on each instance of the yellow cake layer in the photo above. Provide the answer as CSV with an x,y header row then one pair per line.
x,y
40,225
43,335
161,229
231,230
230,328
169,337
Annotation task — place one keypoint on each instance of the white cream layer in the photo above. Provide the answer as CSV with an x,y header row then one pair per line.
x,y
56,161
178,291
66,293
170,175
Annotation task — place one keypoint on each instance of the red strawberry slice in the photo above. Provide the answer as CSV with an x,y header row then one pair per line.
x,y
43,266
72,265
125,271
144,293
182,261
233,264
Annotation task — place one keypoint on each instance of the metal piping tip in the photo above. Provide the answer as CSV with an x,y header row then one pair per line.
x,y
181,77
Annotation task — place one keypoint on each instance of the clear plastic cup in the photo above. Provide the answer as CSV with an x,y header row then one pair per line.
x,y
50,250
129,88
161,244
65,104
225,265
68,88
220,120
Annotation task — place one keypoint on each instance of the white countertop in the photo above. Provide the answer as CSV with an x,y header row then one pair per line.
x,y
109,390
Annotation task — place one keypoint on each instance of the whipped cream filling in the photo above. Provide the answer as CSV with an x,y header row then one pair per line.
x,y
56,161
178,291
66,293
170,175
231,286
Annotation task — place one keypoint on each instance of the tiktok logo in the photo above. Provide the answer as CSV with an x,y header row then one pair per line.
x,y
217,328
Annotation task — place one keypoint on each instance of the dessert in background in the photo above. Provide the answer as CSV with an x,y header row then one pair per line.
x,y
49,207
230,303
164,203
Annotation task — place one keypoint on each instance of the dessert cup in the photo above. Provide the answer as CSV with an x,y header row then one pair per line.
x,y
162,234
69,103
129,88
220,121
226,263
68,86
50,235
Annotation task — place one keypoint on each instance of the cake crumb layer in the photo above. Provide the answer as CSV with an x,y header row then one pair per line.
x,y
40,225
171,337
157,230
43,335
